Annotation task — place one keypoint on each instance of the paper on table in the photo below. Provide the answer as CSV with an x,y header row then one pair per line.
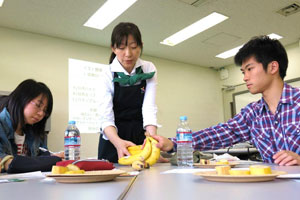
x,y
289,176
185,171
248,162
225,156
29,175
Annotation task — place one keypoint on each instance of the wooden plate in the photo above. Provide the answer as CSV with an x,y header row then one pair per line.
x,y
212,176
212,165
87,177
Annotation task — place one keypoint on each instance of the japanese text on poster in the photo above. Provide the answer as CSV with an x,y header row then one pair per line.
x,y
84,94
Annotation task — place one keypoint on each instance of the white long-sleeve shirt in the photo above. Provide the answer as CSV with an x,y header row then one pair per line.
x,y
149,108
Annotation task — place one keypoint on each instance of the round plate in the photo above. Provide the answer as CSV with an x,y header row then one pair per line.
x,y
212,176
87,177
212,165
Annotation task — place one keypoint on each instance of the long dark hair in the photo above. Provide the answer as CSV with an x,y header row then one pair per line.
x,y
20,97
121,31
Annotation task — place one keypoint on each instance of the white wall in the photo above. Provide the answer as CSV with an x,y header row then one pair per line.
x,y
236,78
182,89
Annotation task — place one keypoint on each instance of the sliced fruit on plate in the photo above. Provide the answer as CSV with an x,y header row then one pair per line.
x,y
260,170
238,172
75,172
72,167
59,169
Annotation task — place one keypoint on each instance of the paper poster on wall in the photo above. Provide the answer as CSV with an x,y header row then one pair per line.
x,y
84,94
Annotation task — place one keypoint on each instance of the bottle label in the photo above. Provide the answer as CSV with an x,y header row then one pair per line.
x,y
72,141
184,137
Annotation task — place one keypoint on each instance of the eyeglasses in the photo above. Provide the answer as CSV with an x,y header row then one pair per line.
x,y
39,107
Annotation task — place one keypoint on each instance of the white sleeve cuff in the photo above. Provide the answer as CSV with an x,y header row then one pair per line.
x,y
104,125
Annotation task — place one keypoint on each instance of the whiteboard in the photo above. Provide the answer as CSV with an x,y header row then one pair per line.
x,y
242,99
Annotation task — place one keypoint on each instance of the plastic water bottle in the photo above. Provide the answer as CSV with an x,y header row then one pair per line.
x,y
184,143
72,142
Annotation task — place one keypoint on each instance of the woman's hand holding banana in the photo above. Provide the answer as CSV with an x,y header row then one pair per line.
x,y
122,148
149,154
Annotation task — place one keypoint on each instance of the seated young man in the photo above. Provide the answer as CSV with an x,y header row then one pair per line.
x,y
272,124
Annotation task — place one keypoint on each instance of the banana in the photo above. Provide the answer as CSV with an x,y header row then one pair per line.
x,y
69,169
155,153
135,149
139,165
128,160
59,169
72,167
260,170
223,170
75,172
239,172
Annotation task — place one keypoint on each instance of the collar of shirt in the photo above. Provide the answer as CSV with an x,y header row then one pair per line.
x,y
286,98
287,94
115,66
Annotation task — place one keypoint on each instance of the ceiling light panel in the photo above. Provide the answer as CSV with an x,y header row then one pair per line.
x,y
107,13
232,52
1,3
195,28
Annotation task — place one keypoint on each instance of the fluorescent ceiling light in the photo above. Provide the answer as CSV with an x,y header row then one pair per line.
x,y
232,52
275,36
1,2
107,13
195,28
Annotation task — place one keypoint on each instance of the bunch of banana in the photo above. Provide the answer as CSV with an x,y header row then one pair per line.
x,y
135,149
149,154
155,153
139,165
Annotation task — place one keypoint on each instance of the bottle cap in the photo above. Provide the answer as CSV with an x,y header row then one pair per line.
x,y
72,122
183,118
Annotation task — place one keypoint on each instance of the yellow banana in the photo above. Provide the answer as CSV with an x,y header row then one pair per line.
x,y
128,160
155,153
135,149
260,170
135,152
139,165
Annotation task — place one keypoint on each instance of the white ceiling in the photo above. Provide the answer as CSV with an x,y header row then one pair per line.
x,y
158,19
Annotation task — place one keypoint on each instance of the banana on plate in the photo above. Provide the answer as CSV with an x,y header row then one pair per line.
x,y
69,169
260,170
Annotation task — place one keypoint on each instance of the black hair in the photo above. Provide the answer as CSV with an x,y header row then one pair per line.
x,y
121,31
264,50
16,101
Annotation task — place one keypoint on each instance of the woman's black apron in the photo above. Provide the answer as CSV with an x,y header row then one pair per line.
x,y
127,106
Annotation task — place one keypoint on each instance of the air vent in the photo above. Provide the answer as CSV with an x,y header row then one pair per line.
x,y
289,10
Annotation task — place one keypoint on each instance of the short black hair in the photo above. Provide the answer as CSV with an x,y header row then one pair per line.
x,y
16,101
121,31
265,50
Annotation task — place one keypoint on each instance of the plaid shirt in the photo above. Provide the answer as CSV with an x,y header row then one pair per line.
x,y
269,133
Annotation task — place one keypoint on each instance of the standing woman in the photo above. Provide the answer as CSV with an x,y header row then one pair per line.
x,y
23,115
128,106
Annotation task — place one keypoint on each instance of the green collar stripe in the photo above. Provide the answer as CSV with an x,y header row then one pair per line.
x,y
131,80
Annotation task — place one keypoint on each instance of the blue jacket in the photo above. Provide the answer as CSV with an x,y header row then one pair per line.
x,y
7,141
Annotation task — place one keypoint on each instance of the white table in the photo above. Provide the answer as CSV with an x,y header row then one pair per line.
x,y
151,184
